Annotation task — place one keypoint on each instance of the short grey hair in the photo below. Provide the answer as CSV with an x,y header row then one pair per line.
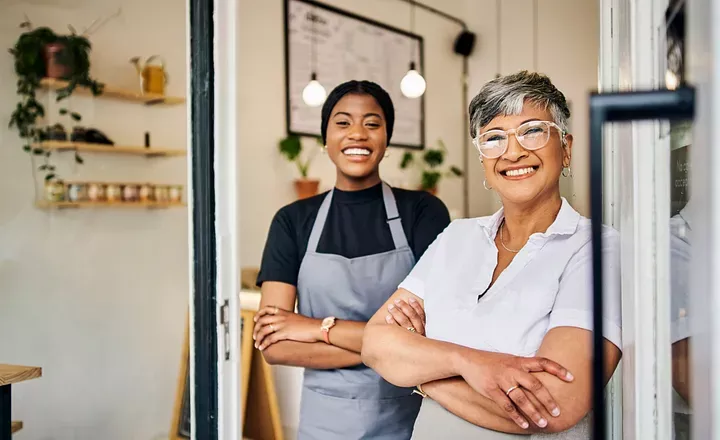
x,y
506,96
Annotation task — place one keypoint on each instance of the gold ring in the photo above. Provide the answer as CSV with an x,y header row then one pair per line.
x,y
411,329
273,329
276,310
512,388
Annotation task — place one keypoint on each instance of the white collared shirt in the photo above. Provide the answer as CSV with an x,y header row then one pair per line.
x,y
548,284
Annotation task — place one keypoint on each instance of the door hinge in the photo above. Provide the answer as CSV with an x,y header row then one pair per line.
x,y
225,322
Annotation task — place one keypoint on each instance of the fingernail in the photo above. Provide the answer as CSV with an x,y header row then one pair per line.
x,y
569,376
525,425
542,423
388,319
255,319
556,412
397,301
390,307
256,346
413,300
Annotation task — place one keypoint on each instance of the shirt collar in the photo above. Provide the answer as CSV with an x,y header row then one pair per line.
x,y
565,223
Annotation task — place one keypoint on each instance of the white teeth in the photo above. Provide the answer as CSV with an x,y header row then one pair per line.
x,y
357,152
520,172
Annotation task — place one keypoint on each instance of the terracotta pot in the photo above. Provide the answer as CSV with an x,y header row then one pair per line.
x,y
53,65
306,187
432,191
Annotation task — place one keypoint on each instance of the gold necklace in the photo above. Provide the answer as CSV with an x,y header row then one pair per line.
x,y
502,242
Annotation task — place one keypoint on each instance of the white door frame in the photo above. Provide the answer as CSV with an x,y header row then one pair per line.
x,y
703,60
227,219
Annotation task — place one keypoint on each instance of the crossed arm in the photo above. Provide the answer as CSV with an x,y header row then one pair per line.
x,y
472,383
287,338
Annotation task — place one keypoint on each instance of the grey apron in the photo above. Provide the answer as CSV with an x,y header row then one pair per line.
x,y
353,403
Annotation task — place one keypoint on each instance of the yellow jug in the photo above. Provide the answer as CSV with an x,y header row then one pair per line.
x,y
153,77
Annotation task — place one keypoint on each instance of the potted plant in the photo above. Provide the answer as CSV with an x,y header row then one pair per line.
x,y
291,148
431,167
41,53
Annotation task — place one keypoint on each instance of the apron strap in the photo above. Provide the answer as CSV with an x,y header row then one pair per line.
x,y
393,218
319,224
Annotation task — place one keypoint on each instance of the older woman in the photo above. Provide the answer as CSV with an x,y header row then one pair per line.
x,y
505,301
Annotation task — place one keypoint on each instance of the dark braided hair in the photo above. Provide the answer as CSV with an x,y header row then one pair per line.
x,y
360,88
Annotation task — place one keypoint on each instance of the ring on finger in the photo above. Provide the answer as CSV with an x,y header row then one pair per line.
x,y
411,329
272,327
276,310
511,389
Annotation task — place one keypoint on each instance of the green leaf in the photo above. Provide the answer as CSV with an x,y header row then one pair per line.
x,y
430,179
38,151
49,177
434,158
456,171
43,167
63,111
27,148
291,147
407,159
76,116
78,159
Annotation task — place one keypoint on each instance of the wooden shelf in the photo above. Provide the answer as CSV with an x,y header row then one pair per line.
x,y
10,374
101,148
117,93
16,426
43,204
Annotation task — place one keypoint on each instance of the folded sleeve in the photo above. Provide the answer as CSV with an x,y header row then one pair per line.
x,y
574,302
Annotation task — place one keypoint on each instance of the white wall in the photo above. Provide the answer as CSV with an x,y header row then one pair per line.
x,y
568,51
97,298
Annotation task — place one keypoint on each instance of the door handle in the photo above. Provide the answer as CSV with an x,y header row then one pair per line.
x,y
617,107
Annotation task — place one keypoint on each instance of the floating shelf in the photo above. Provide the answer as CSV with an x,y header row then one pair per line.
x,y
43,204
101,148
116,93
16,426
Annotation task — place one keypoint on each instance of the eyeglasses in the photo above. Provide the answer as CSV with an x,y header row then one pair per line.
x,y
532,135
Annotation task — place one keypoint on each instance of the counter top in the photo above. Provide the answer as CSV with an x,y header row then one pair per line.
x,y
10,374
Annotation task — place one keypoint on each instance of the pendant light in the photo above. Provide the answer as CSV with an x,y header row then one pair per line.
x,y
413,84
314,93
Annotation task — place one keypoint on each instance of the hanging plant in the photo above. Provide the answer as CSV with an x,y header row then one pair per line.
x,y
41,53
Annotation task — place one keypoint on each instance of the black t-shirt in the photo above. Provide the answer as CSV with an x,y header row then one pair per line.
x,y
356,226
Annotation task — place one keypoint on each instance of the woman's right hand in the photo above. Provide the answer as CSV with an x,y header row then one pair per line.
x,y
506,380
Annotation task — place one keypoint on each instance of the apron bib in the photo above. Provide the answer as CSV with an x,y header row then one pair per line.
x,y
353,403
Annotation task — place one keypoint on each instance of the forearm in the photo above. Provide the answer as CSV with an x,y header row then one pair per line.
x,y
316,355
348,335
455,395
407,359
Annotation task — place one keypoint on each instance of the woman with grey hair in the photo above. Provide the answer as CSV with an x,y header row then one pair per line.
x,y
494,323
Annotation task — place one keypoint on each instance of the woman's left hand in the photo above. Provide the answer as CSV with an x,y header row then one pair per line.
x,y
409,315
273,324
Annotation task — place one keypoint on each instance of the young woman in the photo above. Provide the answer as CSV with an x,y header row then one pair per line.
x,y
341,255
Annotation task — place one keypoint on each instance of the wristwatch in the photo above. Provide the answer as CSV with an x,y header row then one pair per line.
x,y
327,324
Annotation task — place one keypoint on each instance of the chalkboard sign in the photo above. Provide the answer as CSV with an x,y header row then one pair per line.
x,y
344,47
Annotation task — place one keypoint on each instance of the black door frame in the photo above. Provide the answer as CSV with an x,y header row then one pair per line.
x,y
204,367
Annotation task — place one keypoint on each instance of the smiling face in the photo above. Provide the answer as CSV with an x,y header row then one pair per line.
x,y
522,176
356,140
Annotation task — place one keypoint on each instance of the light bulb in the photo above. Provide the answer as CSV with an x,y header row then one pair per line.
x,y
413,84
314,93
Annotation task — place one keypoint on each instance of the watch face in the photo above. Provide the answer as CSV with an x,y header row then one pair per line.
x,y
327,322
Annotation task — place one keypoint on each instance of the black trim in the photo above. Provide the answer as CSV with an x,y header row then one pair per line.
x,y
421,47
202,117
5,412
615,107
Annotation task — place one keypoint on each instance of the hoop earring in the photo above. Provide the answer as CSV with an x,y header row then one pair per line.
x,y
387,153
486,185
567,172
